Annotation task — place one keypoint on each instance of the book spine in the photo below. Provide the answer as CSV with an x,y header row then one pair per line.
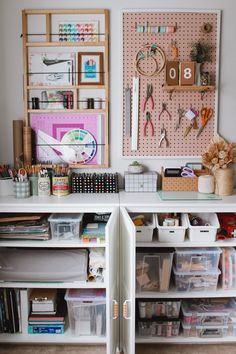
x,y
24,308
36,329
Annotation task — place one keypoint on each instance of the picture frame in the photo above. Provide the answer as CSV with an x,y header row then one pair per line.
x,y
90,68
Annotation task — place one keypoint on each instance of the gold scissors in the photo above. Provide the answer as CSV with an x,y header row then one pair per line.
x,y
205,114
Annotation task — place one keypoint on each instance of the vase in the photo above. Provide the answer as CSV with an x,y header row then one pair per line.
x,y
224,181
198,74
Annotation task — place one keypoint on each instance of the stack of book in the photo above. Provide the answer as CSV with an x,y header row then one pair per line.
x,y
48,310
24,227
9,311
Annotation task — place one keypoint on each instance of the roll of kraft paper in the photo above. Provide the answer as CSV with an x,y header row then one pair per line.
x,y
27,140
206,184
17,142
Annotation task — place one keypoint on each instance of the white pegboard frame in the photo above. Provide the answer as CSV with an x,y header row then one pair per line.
x,y
166,154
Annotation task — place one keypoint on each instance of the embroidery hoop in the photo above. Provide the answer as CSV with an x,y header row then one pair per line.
x,y
149,51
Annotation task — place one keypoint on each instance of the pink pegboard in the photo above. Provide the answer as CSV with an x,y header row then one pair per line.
x,y
188,31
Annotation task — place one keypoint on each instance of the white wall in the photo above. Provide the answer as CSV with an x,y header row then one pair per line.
x,y
11,87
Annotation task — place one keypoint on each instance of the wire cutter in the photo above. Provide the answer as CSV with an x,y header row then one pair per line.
x,y
163,137
148,97
206,114
148,122
164,109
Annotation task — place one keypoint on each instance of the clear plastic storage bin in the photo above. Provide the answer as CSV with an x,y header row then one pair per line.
x,y
158,328
205,281
152,309
208,312
65,226
86,311
197,259
205,331
145,233
153,271
205,233
170,234
228,268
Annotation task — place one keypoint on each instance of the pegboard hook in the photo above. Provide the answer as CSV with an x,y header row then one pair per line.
x,y
202,94
170,94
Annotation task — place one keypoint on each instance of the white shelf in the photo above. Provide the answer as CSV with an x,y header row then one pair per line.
x,y
188,243
66,337
56,285
184,340
53,243
172,294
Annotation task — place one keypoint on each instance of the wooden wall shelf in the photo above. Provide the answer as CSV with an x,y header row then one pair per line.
x,y
201,89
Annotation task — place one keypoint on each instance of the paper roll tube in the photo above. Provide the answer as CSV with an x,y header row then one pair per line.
x,y
27,145
206,184
17,142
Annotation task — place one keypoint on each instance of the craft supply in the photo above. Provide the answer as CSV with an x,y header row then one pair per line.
x,y
44,100
135,114
147,123
205,78
187,172
181,113
35,103
148,97
163,137
127,111
154,28
17,142
97,103
148,52
90,103
84,103
174,49
205,114
94,183
164,109
224,181
27,144
206,184
172,172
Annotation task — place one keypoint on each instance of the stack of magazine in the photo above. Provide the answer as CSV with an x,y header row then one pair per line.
x,y
24,227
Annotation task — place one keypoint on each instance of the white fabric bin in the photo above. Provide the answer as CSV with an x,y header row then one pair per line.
x,y
204,233
170,234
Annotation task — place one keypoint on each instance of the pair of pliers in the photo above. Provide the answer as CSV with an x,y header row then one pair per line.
x,y
148,122
163,137
148,97
164,109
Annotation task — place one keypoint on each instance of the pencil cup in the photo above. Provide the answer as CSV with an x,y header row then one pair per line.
x,y
44,186
21,189
33,185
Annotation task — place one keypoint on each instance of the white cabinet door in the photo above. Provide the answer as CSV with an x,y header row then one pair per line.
x,y
112,256
127,260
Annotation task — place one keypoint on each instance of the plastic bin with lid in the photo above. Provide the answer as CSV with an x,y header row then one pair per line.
x,y
144,233
208,312
228,268
205,331
65,226
86,311
153,271
158,328
203,233
197,259
205,281
170,234
159,308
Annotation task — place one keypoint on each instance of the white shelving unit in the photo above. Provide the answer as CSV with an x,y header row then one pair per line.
x,y
72,203
151,203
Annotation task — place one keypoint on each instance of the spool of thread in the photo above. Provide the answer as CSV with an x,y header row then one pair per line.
x,y
206,184
17,142
27,144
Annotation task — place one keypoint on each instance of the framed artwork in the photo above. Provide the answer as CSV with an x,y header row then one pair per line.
x,y
90,68
74,138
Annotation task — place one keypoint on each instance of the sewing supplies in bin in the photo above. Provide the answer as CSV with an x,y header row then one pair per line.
x,y
94,183
170,219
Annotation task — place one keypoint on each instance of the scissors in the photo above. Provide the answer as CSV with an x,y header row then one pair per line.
x,y
205,114
187,172
163,137
148,122
148,97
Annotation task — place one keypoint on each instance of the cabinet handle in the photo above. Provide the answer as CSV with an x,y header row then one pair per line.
x,y
115,310
125,309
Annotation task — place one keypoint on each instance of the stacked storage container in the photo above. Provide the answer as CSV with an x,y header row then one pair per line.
x,y
196,269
